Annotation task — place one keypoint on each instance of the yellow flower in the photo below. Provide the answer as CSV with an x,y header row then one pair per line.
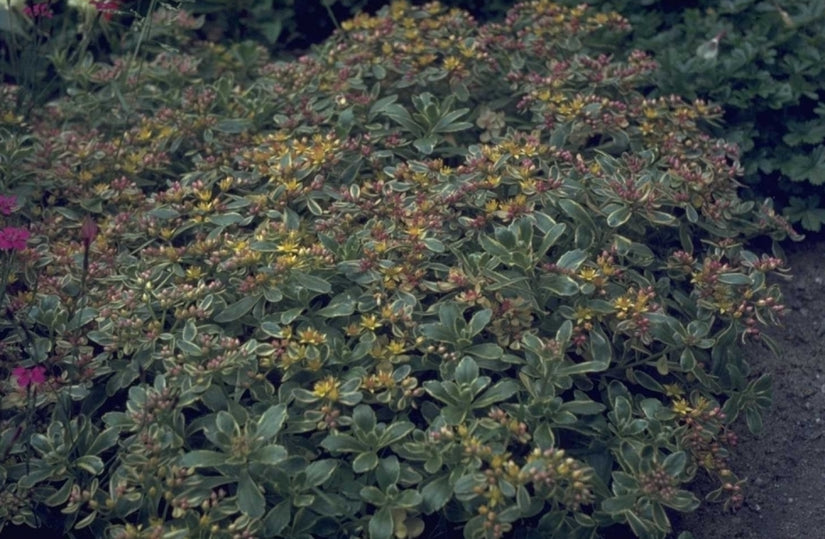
x,y
370,322
288,245
226,183
451,63
396,348
623,303
673,390
167,233
650,113
194,273
328,388
583,314
588,274
311,336
416,231
681,407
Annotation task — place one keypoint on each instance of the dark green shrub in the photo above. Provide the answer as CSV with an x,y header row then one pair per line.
x,y
768,74
431,273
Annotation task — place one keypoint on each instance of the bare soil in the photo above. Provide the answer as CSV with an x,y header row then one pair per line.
x,y
785,466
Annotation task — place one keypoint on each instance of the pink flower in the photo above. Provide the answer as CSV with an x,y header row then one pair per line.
x,y
7,204
88,230
41,9
108,9
34,376
13,238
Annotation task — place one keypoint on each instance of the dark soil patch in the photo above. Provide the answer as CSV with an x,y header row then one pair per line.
x,y
785,466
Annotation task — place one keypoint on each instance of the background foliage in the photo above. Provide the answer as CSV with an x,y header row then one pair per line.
x,y
768,75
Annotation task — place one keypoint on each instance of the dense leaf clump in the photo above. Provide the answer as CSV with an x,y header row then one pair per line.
x,y
433,275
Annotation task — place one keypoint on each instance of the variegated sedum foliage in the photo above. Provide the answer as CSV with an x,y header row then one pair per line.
x,y
433,276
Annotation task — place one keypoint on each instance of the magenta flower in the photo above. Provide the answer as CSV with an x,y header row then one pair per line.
x,y
13,238
35,376
7,204
108,9
41,9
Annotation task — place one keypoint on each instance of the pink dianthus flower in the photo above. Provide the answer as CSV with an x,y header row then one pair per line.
x,y
35,376
13,238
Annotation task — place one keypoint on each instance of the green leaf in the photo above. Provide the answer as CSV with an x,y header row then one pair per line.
x,y
808,166
583,406
619,504
683,501
647,381
495,248
438,391
189,348
341,305
61,495
269,455
250,499
373,495
236,310
560,285
190,331
9,23
233,125
381,105
600,349
270,423
409,499
202,458
363,418
436,494
466,372
277,519
619,217
551,237
318,472
226,424
225,219
343,443
577,213
311,282
90,463
478,322
104,440
754,420
735,279
571,260
395,432
365,462
453,415
674,464
434,245
501,391
381,525
388,472
489,351
399,114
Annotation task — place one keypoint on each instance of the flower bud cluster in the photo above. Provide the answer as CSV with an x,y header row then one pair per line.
x,y
560,477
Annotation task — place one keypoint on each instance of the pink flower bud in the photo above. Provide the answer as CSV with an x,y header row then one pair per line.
x,y
88,230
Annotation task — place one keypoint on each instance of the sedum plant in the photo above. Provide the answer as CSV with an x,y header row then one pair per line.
x,y
433,276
